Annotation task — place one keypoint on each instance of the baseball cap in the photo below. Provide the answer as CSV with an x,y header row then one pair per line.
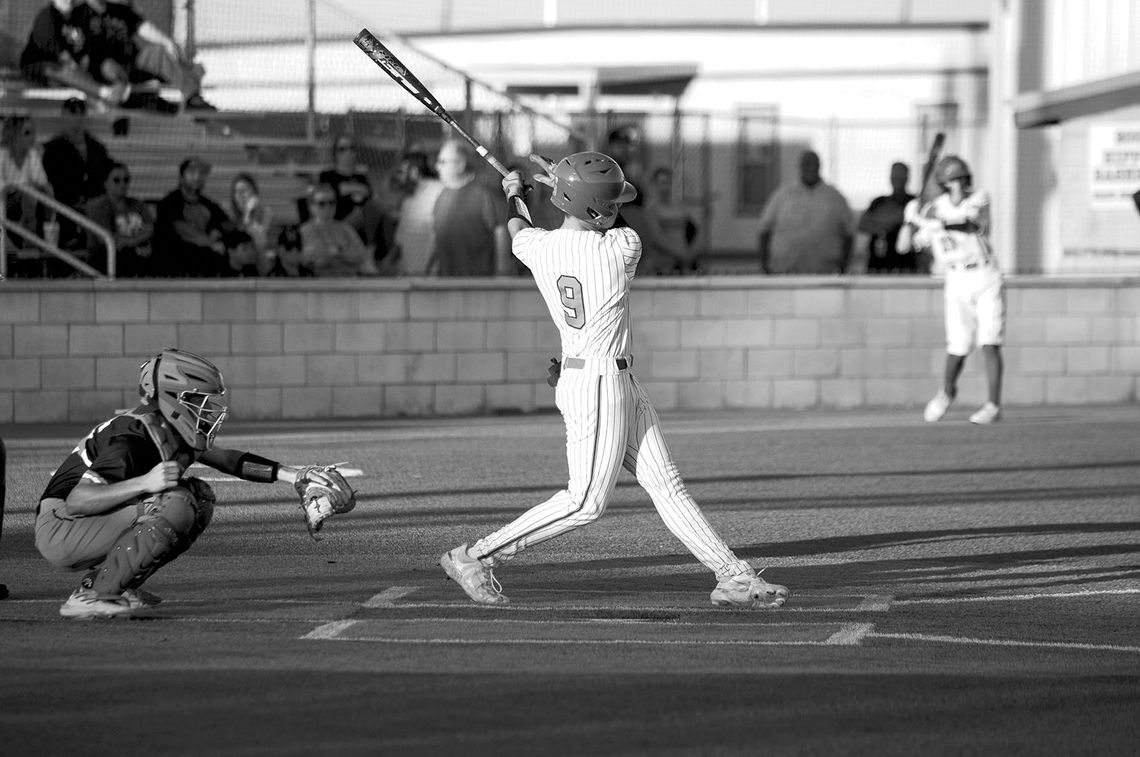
x,y
194,160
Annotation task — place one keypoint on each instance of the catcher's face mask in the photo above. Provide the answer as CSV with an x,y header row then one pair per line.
x,y
205,413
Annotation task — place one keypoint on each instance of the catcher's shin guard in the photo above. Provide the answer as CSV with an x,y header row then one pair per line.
x,y
171,522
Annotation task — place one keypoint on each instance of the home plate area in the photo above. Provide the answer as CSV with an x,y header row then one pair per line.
x,y
419,615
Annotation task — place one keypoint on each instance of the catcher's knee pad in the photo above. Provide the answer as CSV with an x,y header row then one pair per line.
x,y
188,507
138,552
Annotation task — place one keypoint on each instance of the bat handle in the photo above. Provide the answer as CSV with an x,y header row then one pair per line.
x,y
495,163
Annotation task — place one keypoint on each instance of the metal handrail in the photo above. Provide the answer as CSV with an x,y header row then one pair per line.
x,y
54,250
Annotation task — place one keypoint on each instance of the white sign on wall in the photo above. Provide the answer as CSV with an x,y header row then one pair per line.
x,y
1114,163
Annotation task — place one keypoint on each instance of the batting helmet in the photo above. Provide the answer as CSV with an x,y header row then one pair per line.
x,y
591,187
950,168
190,394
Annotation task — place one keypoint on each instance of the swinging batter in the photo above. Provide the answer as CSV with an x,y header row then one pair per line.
x,y
583,270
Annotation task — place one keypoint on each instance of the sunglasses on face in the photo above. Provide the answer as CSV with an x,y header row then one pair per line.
x,y
345,148
324,203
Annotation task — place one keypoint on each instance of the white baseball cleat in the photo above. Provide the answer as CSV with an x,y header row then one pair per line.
x,y
85,604
140,599
937,407
473,576
748,590
987,413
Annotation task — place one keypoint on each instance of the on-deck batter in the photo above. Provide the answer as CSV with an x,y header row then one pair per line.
x,y
955,226
583,270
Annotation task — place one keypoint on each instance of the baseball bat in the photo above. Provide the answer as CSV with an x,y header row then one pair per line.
x,y
926,193
402,75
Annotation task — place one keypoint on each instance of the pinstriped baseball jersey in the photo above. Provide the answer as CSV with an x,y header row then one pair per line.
x,y
584,277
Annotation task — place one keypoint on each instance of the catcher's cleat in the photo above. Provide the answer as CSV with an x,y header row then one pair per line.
x,y
987,413
473,576
750,591
140,599
85,604
937,407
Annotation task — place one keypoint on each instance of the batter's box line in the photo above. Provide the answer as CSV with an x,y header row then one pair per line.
x,y
848,634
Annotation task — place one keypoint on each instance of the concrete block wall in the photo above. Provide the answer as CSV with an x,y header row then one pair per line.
x,y
70,349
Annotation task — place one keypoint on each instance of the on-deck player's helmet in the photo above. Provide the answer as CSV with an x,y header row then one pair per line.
x,y
950,168
190,394
591,187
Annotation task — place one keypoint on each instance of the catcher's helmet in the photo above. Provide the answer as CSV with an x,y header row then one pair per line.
x,y
591,187
950,168
190,394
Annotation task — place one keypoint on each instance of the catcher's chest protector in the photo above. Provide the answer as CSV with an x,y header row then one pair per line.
x,y
169,445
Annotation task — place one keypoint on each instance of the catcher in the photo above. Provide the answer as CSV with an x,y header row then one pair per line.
x,y
120,506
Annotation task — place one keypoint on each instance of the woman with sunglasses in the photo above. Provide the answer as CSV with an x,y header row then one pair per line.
x,y
330,247
129,221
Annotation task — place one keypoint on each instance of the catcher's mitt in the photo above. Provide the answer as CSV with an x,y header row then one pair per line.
x,y
553,371
324,493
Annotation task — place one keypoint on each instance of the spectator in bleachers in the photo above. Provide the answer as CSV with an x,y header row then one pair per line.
x,y
881,223
190,230
355,203
75,161
659,254
128,219
287,261
251,216
123,47
470,225
56,54
806,226
330,247
21,164
76,164
675,224
415,225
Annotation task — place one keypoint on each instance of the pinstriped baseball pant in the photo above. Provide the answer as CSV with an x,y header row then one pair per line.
x,y
611,424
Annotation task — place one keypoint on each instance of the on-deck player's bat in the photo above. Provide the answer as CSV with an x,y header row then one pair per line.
x,y
926,192
402,75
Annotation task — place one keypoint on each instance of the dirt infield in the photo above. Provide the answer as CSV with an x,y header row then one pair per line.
x,y
955,589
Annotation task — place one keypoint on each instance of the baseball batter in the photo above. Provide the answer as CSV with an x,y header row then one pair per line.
x,y
955,227
119,506
584,270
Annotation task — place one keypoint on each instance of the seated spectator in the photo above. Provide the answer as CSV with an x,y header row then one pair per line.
x,y
129,221
123,48
287,261
330,247
21,164
190,231
250,215
470,225
76,163
675,223
244,257
415,222
56,54
355,203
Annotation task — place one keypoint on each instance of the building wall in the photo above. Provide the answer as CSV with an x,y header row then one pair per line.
x,y
70,350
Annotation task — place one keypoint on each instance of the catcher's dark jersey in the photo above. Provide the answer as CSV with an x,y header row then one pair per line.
x,y
121,448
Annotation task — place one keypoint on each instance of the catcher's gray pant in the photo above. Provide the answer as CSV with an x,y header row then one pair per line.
x,y
126,544
611,424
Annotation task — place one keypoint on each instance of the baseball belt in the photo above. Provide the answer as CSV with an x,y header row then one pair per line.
x,y
577,363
